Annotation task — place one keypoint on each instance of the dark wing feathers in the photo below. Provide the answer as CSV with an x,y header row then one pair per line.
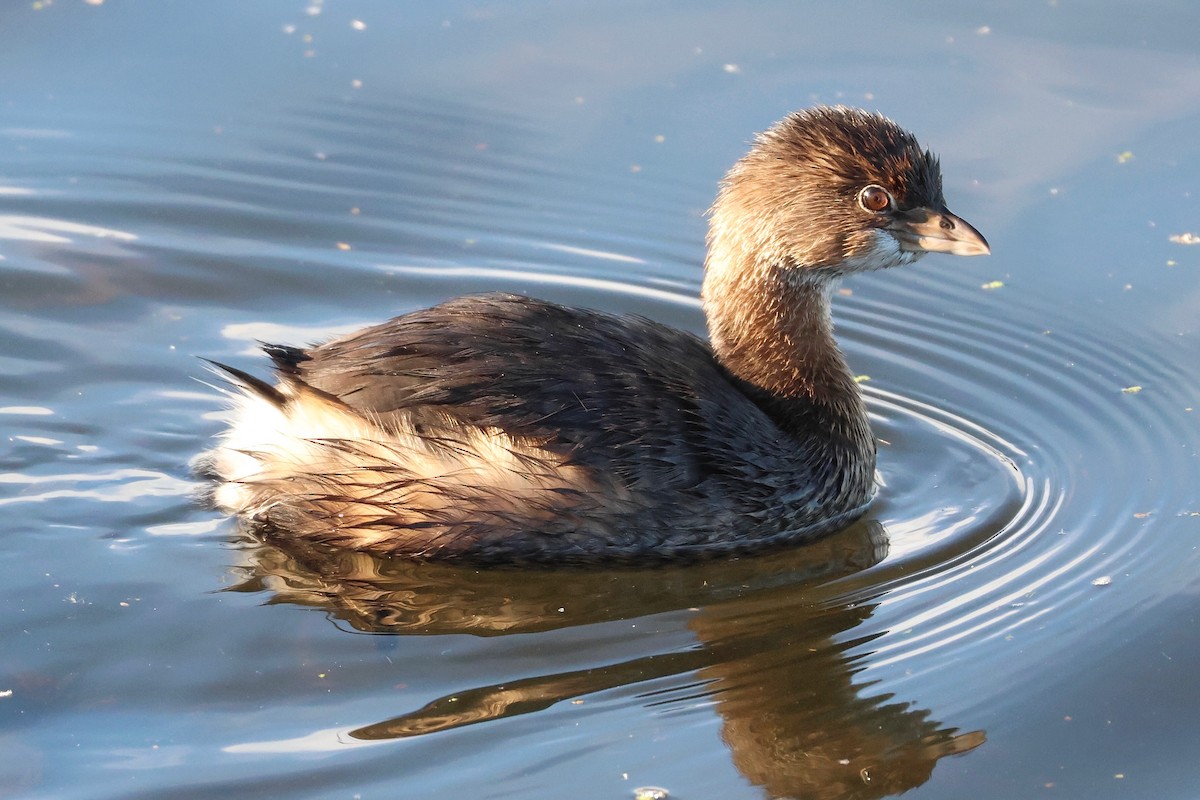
x,y
617,392
286,359
252,384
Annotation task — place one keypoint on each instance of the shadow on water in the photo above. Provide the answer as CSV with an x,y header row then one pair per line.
x,y
773,651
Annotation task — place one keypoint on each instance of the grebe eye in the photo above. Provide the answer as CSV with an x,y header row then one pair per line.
x,y
875,199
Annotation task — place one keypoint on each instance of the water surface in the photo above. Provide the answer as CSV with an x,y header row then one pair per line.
x,y
1016,616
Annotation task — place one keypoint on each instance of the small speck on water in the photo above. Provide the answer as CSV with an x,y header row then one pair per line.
x,y
990,285
1131,389
1125,157
1103,580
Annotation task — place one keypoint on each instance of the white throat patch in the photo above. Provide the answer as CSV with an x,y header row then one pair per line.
x,y
884,253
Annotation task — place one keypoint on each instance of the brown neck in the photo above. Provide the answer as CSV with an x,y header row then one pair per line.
x,y
771,328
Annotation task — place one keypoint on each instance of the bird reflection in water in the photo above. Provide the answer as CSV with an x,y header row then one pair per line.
x,y
776,651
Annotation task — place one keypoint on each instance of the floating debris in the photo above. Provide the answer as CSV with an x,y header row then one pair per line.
x,y
650,793
990,285
861,378
1125,158
1185,238
1131,389
1103,580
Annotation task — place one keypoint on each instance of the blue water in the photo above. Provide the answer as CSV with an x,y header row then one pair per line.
x,y
1016,616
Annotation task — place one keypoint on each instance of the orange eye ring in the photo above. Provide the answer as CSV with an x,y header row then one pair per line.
x,y
875,198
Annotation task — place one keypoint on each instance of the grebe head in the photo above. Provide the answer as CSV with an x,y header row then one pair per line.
x,y
823,193
832,190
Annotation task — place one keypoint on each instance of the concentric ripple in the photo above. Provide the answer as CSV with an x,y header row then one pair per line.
x,y
1087,422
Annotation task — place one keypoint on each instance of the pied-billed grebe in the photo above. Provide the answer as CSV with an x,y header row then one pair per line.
x,y
502,428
